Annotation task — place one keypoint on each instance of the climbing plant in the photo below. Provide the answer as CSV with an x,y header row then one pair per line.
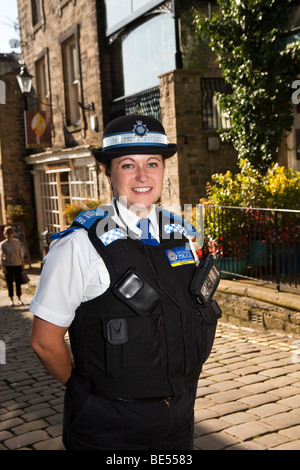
x,y
250,39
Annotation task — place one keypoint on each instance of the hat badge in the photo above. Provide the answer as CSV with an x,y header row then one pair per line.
x,y
140,129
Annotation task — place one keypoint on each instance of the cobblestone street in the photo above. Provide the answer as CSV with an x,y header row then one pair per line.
x,y
248,395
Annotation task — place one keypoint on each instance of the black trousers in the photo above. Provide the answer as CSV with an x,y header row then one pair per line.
x,y
13,274
97,423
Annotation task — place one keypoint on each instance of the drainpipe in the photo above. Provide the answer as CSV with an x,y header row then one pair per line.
x,y
178,53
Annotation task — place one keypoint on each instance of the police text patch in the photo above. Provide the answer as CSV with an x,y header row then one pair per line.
x,y
179,256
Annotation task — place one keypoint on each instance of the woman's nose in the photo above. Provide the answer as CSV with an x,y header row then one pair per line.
x,y
141,174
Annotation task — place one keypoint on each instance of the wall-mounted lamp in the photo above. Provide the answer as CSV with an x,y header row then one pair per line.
x,y
25,83
24,80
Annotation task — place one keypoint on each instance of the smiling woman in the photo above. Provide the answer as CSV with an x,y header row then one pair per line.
x,y
121,284
134,151
137,181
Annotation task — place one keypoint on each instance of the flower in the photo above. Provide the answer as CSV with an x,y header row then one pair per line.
x,y
229,248
73,210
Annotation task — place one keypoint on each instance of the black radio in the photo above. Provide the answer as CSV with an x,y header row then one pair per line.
x,y
206,280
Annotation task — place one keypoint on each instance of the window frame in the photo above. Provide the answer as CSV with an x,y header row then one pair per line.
x,y
36,13
43,81
134,15
119,55
212,118
71,84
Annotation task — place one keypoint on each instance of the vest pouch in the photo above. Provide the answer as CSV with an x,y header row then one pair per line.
x,y
205,322
138,293
132,345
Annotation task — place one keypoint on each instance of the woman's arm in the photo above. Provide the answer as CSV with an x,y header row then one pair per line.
x,y
21,254
2,259
47,340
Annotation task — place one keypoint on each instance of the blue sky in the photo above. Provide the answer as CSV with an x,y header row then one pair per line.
x,y
8,16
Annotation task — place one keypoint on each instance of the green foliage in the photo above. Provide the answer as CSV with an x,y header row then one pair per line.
x,y
229,230
195,51
248,38
18,210
282,188
279,188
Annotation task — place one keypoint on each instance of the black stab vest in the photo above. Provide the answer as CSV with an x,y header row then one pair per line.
x,y
124,354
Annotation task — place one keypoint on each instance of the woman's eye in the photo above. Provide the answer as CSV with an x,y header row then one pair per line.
x,y
152,164
127,165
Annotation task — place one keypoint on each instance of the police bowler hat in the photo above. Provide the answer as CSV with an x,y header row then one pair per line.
x,y
134,134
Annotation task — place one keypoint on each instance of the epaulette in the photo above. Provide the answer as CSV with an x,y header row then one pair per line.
x,y
84,220
177,219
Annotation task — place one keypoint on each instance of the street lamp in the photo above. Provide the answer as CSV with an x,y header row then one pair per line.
x,y
24,80
25,84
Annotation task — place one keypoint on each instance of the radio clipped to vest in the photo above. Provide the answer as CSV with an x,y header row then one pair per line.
x,y
138,293
205,281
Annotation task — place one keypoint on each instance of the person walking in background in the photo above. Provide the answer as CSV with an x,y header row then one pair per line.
x,y
12,260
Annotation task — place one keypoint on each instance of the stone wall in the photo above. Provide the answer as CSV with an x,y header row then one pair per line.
x,y
59,21
259,307
188,172
15,178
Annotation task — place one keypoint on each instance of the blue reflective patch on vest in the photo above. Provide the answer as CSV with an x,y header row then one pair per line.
x,y
190,230
64,233
87,218
84,220
186,229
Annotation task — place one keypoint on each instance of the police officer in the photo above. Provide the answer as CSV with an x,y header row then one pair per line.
x,y
118,281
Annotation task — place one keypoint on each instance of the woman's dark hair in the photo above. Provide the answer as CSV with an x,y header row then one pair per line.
x,y
107,168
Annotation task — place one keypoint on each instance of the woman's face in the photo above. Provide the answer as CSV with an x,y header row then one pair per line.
x,y
137,181
9,234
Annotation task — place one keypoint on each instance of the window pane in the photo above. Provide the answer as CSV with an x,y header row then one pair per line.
x,y
49,201
136,4
70,67
42,84
73,63
36,11
116,11
148,51
212,117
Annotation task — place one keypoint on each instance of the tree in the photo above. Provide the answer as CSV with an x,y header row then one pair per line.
x,y
248,38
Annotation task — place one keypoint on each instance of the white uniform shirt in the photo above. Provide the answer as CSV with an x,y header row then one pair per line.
x,y
74,272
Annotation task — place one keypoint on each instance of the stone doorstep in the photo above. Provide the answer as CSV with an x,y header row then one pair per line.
x,y
259,307
265,294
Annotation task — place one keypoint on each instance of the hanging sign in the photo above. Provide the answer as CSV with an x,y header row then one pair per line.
x,y
38,129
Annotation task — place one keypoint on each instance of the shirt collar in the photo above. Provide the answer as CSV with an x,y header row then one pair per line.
x,y
130,219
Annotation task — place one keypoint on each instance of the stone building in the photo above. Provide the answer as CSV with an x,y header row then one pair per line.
x,y
92,60
15,178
